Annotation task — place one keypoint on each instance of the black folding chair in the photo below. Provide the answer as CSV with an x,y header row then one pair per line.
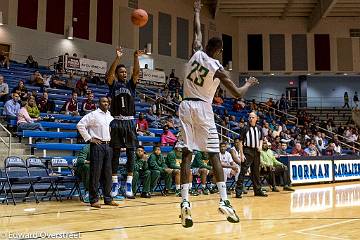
x,y
18,177
36,168
4,183
65,177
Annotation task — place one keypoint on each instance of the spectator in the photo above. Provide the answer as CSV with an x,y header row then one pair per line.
x,y
346,100
177,98
298,151
356,100
265,129
81,86
31,63
330,150
238,105
32,109
158,168
158,106
71,106
277,131
57,82
88,105
173,163
71,82
157,119
276,144
167,137
4,89
230,168
253,105
282,150
200,167
320,144
218,99
25,122
174,84
92,78
45,104
270,103
142,126
12,107
4,60
312,150
37,79
283,104
150,117
22,90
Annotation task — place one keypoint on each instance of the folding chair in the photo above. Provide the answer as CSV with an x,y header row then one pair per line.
x,y
3,182
18,177
66,177
36,167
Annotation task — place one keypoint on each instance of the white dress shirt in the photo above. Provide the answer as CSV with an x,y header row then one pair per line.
x,y
95,125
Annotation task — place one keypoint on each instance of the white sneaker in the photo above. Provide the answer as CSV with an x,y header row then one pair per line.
x,y
226,209
114,189
185,216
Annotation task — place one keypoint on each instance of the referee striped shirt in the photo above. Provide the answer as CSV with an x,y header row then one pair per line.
x,y
251,136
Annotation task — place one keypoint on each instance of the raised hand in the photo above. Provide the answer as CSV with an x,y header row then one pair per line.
x,y
197,5
119,51
138,53
252,81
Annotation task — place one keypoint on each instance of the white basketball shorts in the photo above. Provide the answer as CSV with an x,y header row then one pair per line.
x,y
198,126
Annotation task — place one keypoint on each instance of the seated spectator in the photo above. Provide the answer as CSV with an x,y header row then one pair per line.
x,y
88,105
230,168
277,131
92,78
233,124
298,151
330,150
167,137
172,162
312,150
81,86
177,98
201,167
4,90
282,150
37,79
25,122
47,80
82,169
142,126
273,167
174,84
337,147
141,169
22,90
157,120
71,105
31,63
150,117
45,104
157,106
32,109
239,105
158,168
71,81
4,60
12,107
265,129
270,103
320,144
218,99
57,82
253,105
276,144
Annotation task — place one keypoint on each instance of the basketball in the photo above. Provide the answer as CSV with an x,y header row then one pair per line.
x,y
139,17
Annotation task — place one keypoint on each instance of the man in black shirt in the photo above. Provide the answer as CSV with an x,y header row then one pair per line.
x,y
251,140
123,130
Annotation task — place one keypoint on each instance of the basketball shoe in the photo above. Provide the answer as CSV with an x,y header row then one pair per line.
x,y
185,216
226,209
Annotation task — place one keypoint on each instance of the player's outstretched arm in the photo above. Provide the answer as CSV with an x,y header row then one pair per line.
x,y
136,69
110,76
237,92
197,44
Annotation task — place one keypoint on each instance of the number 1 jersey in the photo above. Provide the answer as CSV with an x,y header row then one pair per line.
x,y
199,81
122,98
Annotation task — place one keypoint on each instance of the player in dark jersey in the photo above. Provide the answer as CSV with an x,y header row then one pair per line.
x,y
122,128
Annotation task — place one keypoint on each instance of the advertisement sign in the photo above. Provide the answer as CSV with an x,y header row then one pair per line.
x,y
310,171
346,169
152,77
85,65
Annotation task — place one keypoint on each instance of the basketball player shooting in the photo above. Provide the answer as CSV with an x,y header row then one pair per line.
x,y
204,75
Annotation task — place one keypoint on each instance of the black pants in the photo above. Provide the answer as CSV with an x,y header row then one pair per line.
x,y
100,170
282,172
253,161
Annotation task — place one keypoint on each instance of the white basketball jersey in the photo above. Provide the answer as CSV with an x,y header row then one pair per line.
x,y
199,79
226,157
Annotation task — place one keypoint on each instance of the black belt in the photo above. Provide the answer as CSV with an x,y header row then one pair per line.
x,y
250,148
193,99
103,142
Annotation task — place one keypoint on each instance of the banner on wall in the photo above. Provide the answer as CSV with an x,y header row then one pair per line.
x,y
311,171
346,169
85,65
152,77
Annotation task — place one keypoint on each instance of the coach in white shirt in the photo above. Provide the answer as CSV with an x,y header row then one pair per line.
x,y
94,128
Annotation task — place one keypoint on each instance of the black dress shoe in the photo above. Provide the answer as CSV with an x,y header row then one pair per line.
x,y
238,192
145,195
260,194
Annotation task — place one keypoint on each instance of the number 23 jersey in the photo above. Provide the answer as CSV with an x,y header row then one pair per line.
x,y
199,81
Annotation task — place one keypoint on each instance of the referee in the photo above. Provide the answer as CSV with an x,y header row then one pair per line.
x,y
94,127
251,140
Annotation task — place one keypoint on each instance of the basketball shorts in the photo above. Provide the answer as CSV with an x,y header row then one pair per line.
x,y
198,126
123,134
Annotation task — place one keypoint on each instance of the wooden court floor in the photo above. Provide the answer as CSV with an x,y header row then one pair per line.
x,y
329,211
